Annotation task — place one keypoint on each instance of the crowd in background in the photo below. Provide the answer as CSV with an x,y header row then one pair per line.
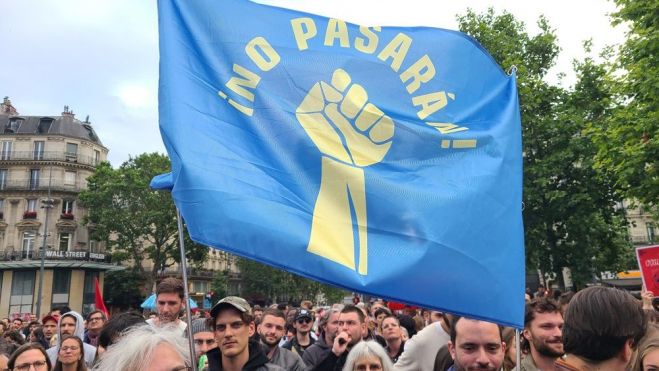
x,y
595,328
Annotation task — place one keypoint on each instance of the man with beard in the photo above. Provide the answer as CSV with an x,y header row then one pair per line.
x,y
303,321
352,329
271,330
475,345
71,324
329,326
49,326
543,325
169,303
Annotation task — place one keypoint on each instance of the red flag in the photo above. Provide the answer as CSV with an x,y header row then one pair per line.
x,y
98,299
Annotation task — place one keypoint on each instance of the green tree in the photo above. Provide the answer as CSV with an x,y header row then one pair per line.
x,y
629,143
569,207
121,289
219,286
264,283
134,221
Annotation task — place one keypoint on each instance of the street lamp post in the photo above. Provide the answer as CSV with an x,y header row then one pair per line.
x,y
46,204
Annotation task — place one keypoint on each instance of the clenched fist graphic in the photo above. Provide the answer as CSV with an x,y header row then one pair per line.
x,y
351,133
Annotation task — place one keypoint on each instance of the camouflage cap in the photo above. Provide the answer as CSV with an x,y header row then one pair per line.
x,y
233,301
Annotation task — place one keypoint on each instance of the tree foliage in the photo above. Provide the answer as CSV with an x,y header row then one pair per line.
x,y
122,289
219,286
629,142
135,222
262,283
570,218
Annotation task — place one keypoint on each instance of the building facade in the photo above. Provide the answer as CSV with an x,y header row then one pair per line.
x,y
642,228
44,164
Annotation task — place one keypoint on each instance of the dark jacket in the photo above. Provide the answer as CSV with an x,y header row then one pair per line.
x,y
287,360
373,336
295,347
257,360
443,360
332,362
400,351
316,353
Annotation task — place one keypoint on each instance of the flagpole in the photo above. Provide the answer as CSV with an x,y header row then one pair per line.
x,y
518,351
46,204
184,270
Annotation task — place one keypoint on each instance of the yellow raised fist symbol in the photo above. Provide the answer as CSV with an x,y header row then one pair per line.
x,y
351,133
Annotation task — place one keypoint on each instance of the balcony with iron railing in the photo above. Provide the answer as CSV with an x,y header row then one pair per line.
x,y
643,239
62,156
80,255
39,185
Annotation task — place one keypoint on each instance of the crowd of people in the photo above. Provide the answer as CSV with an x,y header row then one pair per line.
x,y
597,328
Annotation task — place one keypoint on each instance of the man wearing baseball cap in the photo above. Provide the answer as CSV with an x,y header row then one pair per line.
x,y
302,340
49,327
233,325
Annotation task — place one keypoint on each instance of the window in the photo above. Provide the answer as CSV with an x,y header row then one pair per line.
x,y
3,179
38,150
651,234
69,177
71,151
61,286
97,157
64,241
22,292
44,125
13,125
31,204
88,292
34,178
29,238
67,206
5,153
2,209
200,286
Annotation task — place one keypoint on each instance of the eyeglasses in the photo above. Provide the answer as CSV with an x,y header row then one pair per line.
x,y
38,365
71,348
182,368
95,319
303,320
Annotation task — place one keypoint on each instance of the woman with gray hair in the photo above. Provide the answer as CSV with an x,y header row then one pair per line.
x,y
147,347
368,356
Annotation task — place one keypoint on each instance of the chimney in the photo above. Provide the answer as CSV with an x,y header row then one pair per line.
x,y
68,113
6,108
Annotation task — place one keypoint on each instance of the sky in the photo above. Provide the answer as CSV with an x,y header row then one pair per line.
x,y
100,57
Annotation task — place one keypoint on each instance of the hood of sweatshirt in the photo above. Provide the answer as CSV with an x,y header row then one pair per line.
x,y
80,326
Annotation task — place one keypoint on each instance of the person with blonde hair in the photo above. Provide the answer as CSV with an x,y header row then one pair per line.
x,y
368,355
146,347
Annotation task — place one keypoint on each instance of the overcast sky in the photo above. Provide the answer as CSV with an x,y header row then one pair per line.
x,y
100,57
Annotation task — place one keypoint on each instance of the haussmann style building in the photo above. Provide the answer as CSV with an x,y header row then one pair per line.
x,y
42,155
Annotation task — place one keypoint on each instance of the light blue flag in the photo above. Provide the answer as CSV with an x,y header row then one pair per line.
x,y
383,160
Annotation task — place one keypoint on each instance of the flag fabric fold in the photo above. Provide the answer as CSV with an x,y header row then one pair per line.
x,y
98,299
383,160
